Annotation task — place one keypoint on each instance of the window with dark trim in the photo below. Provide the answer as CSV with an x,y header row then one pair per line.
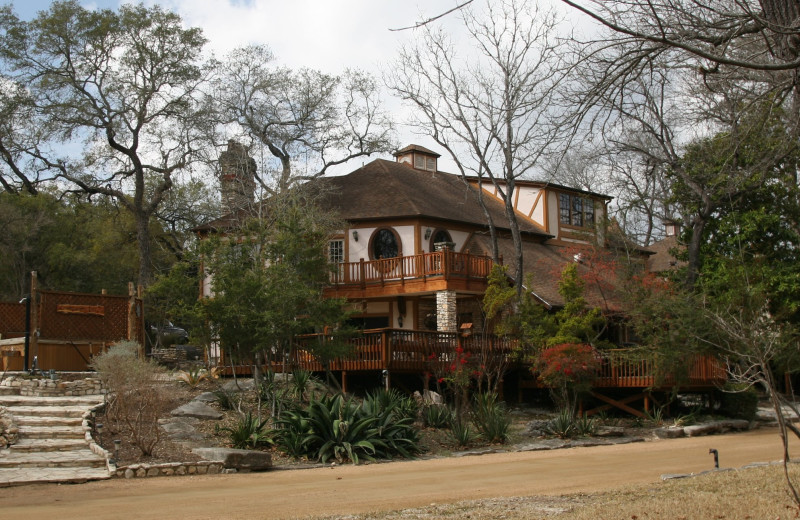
x,y
575,210
384,243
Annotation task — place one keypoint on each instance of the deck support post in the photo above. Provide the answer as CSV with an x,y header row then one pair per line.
x,y
344,381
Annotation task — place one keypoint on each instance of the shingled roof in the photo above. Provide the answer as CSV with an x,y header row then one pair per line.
x,y
383,190
546,262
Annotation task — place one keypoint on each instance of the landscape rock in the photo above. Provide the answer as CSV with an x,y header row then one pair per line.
x,y
697,430
536,428
610,431
237,459
671,432
198,410
206,397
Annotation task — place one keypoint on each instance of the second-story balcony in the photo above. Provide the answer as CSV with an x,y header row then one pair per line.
x,y
427,272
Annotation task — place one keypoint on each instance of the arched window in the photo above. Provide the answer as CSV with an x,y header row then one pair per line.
x,y
440,235
384,244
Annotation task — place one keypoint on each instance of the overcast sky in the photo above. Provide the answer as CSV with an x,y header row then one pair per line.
x,y
329,35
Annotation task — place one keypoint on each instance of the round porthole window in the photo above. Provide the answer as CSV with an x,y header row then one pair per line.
x,y
384,244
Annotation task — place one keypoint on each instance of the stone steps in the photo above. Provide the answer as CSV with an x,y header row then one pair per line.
x,y
52,432
47,445
27,400
22,476
82,458
45,420
53,444
49,411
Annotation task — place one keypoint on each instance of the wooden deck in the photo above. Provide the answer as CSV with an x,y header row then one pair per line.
x,y
412,351
410,274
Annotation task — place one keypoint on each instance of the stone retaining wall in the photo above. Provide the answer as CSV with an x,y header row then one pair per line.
x,y
170,469
54,387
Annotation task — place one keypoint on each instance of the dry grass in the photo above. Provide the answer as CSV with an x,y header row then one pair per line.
x,y
750,494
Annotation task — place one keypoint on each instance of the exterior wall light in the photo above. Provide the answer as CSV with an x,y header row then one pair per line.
x,y
428,233
355,235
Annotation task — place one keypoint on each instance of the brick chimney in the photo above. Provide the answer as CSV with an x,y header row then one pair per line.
x,y
237,177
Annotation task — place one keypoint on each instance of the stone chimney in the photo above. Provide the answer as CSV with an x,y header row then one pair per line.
x,y
237,177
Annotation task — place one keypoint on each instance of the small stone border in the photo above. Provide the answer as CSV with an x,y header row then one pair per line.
x,y
170,469
54,387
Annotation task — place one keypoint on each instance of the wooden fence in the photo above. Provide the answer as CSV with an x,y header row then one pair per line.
x,y
65,330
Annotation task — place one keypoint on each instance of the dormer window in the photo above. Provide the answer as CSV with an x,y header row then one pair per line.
x,y
419,157
575,210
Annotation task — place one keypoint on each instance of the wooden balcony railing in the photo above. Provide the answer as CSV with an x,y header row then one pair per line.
x,y
446,264
620,370
404,350
412,351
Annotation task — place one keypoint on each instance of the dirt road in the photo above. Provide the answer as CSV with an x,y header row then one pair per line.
x,y
348,489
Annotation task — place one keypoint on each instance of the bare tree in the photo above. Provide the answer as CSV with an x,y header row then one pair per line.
x,y
307,120
491,109
121,89
753,341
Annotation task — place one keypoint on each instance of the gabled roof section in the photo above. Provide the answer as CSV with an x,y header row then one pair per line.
x,y
416,148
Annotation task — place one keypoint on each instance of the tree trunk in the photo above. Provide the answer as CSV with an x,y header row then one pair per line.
x,y
143,239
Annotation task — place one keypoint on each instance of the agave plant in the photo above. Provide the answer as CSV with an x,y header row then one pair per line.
x,y
490,418
437,416
193,377
340,431
249,432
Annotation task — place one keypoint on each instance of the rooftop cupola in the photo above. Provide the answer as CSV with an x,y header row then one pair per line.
x,y
418,157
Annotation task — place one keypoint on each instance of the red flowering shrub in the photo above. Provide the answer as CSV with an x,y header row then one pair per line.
x,y
568,365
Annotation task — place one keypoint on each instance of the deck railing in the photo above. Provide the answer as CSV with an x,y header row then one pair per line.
x,y
403,350
620,369
447,264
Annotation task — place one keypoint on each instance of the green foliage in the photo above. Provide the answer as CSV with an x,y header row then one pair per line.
x,y
301,380
563,425
585,426
334,427
739,401
461,432
392,400
249,432
225,399
490,418
437,416
74,244
268,284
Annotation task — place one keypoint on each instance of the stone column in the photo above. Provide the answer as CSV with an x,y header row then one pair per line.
x,y
446,320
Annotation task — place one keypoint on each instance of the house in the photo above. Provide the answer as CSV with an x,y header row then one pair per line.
x,y
415,253
416,250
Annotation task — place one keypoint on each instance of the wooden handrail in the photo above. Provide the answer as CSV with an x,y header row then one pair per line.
x,y
446,264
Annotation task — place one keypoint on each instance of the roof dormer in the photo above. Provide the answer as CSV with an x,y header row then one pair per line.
x,y
418,157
